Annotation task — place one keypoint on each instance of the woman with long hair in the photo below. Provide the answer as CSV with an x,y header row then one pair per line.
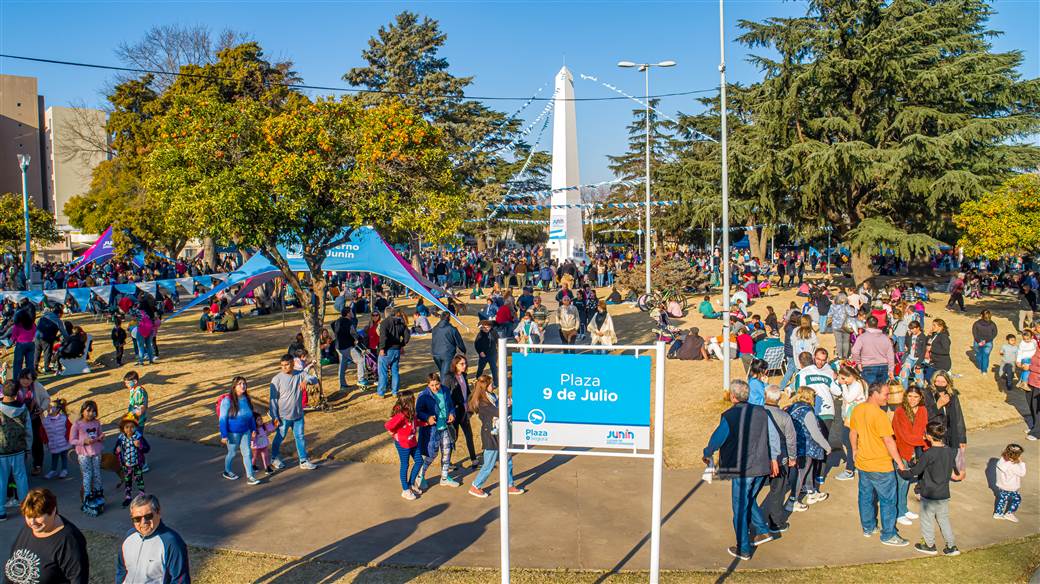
x,y
237,425
938,353
909,423
483,402
853,392
983,332
804,340
457,386
813,449
944,405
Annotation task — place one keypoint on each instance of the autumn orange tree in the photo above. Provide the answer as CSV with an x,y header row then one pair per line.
x,y
1004,221
303,176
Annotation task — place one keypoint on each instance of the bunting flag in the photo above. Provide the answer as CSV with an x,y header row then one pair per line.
x,y
103,293
186,284
204,281
56,296
504,125
126,289
101,250
148,287
82,298
168,285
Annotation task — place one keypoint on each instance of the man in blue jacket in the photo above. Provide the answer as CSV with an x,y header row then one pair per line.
x,y
749,449
151,551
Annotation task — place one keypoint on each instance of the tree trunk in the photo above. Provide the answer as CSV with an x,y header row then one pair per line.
x,y
209,252
757,242
862,268
481,242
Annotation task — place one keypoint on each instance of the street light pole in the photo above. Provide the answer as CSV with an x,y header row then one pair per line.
x,y
725,201
23,163
645,68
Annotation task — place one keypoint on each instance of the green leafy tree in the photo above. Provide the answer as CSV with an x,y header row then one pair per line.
x,y
42,229
1004,221
893,112
403,62
303,176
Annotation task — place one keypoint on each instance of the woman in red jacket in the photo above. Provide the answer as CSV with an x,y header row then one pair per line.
x,y
908,424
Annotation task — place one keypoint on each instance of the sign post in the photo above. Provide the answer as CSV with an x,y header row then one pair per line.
x,y
562,400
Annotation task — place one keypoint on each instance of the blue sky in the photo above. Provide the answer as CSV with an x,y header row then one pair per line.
x,y
512,48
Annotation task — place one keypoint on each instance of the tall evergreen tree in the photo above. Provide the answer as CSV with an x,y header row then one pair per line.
x,y
882,117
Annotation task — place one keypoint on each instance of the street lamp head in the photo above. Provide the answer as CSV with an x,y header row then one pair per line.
x,y
626,64
23,160
666,64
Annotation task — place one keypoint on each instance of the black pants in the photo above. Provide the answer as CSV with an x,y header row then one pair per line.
x,y
958,299
119,353
468,431
491,363
37,445
44,349
773,504
1034,409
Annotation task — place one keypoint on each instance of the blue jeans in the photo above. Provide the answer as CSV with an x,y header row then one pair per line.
x,y
792,369
24,357
279,435
748,519
13,465
877,489
982,356
906,370
490,458
902,491
406,455
900,343
239,442
875,374
389,362
145,349
443,363
1024,376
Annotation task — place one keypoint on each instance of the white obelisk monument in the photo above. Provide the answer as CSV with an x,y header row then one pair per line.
x,y
566,238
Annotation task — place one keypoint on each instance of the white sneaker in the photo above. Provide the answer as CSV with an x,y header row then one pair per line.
x,y
1011,517
277,464
408,494
51,474
911,515
1031,437
308,465
904,521
846,476
12,502
797,507
998,516
63,474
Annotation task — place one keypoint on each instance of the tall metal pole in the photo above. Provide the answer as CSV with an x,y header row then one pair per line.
x,y
646,240
725,200
23,163
711,254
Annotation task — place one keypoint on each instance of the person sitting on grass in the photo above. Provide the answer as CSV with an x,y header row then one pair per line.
x,y
707,310
206,321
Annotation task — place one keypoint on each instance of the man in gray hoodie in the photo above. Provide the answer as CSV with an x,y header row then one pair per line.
x,y
773,505
15,441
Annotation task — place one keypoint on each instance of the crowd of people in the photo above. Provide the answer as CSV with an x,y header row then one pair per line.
x,y
883,405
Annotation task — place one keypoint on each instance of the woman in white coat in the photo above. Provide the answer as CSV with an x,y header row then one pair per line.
x,y
601,327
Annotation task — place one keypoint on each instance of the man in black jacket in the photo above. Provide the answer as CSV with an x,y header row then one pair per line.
x,y
486,345
393,336
445,343
345,328
749,449
48,330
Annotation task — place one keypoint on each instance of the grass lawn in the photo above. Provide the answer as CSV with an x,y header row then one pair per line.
x,y
196,367
1005,563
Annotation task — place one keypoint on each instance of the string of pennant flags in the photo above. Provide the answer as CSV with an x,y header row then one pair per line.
x,y
582,206
697,133
595,221
505,124
546,193
105,294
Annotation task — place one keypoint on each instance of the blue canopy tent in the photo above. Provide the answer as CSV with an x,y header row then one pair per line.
x,y
365,251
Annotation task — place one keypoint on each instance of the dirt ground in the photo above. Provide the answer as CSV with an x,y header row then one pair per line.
x,y
196,367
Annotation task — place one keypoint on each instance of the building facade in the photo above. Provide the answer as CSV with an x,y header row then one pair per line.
x,y
21,114
74,143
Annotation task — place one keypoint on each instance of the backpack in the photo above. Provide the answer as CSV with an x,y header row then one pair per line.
x,y
220,400
12,434
399,332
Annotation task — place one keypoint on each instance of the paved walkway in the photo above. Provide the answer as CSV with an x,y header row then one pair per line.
x,y
581,513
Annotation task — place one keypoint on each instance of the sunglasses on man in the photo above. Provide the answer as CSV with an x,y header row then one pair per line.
x,y
146,518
